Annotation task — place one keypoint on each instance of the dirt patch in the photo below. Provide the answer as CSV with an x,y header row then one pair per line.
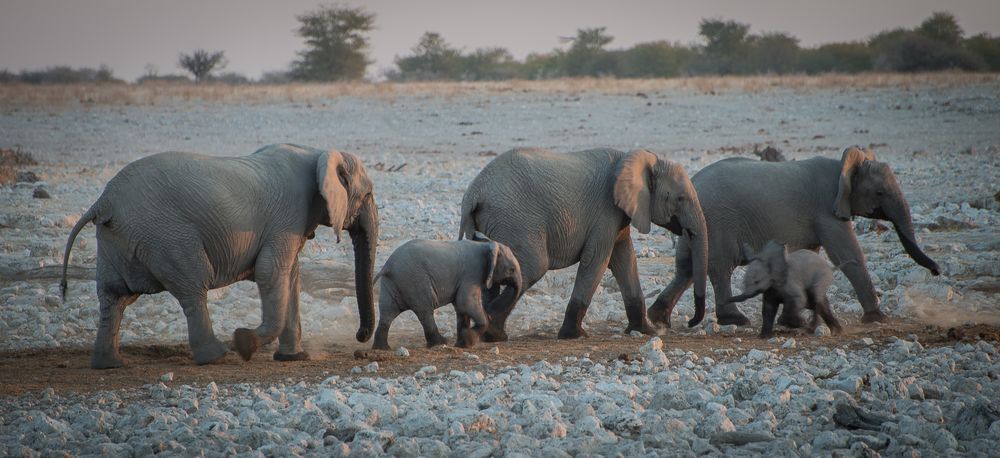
x,y
68,370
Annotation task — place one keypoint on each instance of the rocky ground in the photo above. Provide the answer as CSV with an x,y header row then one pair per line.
x,y
926,382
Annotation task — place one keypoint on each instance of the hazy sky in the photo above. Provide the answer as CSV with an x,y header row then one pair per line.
x,y
258,35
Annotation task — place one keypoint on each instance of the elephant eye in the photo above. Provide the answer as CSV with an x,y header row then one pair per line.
x,y
880,193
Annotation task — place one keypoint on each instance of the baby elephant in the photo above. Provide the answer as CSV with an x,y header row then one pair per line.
x,y
796,279
422,275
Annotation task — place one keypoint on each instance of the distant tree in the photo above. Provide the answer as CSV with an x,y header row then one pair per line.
x,y
587,57
849,57
943,27
539,66
773,52
336,44
910,51
726,44
433,59
658,59
202,63
986,48
487,64
63,74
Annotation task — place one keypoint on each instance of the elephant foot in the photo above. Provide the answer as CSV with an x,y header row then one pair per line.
x,y
245,342
658,316
766,335
493,334
300,356
874,316
209,353
106,360
572,332
383,345
643,327
435,341
790,320
737,318
467,338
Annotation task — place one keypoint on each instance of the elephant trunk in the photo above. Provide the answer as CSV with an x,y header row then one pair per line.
x,y
364,236
742,297
696,230
902,222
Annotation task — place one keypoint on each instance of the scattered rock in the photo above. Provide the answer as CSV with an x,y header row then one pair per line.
x,y
168,377
402,352
41,193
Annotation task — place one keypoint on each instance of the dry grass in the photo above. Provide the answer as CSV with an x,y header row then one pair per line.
x,y
14,96
10,161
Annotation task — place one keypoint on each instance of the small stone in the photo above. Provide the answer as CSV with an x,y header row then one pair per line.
x,y
728,329
821,331
470,356
402,352
495,350
168,377
756,355
41,193
790,343
372,367
867,341
356,370
634,334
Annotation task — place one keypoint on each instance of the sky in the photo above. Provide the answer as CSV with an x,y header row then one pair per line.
x,y
134,36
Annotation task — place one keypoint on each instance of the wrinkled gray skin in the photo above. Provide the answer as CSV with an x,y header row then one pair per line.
x,y
422,275
798,280
803,204
554,210
187,223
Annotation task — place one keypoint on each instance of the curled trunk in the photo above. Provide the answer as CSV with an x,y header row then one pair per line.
x,y
899,215
364,237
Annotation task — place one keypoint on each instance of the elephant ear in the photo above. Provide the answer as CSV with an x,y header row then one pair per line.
x,y
852,158
632,185
332,180
492,256
776,257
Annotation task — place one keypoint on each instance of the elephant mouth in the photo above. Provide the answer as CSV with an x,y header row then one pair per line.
x,y
674,225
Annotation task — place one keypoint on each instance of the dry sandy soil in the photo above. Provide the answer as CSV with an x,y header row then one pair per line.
x,y
422,146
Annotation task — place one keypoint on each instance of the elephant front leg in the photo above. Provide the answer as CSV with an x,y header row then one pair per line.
x,y
205,347
273,284
431,334
106,354
771,301
623,267
842,248
290,340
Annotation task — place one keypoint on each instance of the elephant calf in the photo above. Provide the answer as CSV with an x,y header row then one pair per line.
x,y
796,279
423,275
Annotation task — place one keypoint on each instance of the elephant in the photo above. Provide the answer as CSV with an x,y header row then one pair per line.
x,y
798,280
187,223
803,204
422,275
554,210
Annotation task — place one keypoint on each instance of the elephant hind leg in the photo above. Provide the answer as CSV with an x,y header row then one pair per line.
x,y
388,310
205,347
431,333
822,308
114,297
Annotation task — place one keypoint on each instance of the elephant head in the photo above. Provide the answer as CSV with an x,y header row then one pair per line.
x,y
868,188
652,189
767,269
347,189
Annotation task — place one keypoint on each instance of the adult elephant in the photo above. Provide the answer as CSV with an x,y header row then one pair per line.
x,y
187,223
804,204
554,210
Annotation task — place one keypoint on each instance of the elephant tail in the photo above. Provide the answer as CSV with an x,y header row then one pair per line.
x,y
470,202
87,217
380,274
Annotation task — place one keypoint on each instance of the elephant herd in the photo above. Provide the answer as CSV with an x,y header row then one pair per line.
x,y
186,223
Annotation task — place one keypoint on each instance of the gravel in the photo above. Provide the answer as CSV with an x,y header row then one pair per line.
x,y
898,399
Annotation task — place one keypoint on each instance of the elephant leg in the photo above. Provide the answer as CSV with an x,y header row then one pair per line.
x,y
659,313
822,309
791,317
623,267
431,334
113,300
725,312
588,277
290,340
388,310
205,347
843,249
273,284
771,301
472,319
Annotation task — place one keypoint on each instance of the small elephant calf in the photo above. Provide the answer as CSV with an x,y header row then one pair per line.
x,y
797,279
422,275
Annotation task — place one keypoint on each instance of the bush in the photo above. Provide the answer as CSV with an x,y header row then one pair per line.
x,y
63,74
851,57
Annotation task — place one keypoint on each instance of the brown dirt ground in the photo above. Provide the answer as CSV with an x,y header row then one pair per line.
x,y
67,370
